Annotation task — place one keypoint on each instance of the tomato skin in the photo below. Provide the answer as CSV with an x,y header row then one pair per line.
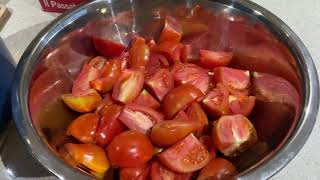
x,y
147,100
196,114
167,133
179,97
109,125
241,104
212,59
218,169
130,149
161,83
233,134
135,173
139,53
171,31
84,127
128,86
82,82
216,102
108,48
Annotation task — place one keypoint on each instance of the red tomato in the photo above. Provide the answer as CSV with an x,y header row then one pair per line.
x,y
151,44
128,86
159,172
135,173
167,133
84,127
241,104
218,169
235,80
188,155
146,100
191,74
108,48
106,102
167,48
139,118
156,62
181,116
109,125
82,82
212,59
196,114
130,149
171,31
208,144
233,134
139,53
178,53
161,83
97,62
217,101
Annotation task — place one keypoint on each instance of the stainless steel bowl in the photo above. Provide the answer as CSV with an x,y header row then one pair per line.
x,y
78,17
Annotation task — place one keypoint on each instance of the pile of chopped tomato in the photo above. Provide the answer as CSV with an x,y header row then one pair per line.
x,y
164,109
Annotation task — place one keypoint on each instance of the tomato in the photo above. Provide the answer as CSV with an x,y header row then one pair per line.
x,y
192,27
167,49
191,74
128,86
135,173
146,100
180,97
167,133
130,149
106,102
108,48
109,125
139,53
196,114
156,62
139,118
89,155
159,172
82,82
218,169
97,62
186,156
178,53
235,80
208,144
241,104
181,116
216,101
171,31
233,134
84,127
212,59
151,44
161,83
84,103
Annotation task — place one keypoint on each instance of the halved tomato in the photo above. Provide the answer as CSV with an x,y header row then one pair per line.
x,y
84,127
171,31
156,62
139,118
179,98
130,149
235,80
217,101
212,59
161,83
241,104
196,114
146,100
109,125
188,155
82,82
191,74
128,86
234,134
160,172
139,53
218,169
167,133
135,173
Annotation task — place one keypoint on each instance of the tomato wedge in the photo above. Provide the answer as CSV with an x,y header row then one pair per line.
x,y
128,86
208,144
234,134
146,100
135,173
168,49
161,83
217,101
212,59
181,116
171,31
196,114
139,53
188,155
159,172
241,104
217,169
167,133
108,48
156,62
84,127
82,82
130,149
179,98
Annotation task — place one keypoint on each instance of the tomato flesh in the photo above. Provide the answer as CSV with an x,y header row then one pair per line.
x,y
171,31
216,102
147,100
82,83
156,62
212,59
139,53
197,115
159,172
241,104
135,173
218,169
161,83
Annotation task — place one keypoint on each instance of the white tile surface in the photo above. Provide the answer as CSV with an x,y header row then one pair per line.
x,y
302,16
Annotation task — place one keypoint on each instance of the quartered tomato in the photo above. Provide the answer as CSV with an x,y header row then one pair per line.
x,y
128,86
179,98
161,83
186,156
212,59
82,82
241,104
130,149
196,114
156,62
233,134
139,53
84,127
109,125
235,80
160,172
218,169
139,118
147,100
171,31
135,173
216,102
167,133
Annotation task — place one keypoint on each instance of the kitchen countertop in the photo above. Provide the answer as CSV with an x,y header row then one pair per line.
x,y
303,17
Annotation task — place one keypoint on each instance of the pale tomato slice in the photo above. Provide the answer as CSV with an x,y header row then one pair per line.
x,y
216,102
212,59
139,54
197,115
217,169
188,155
82,82
171,31
241,104
233,134
147,100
